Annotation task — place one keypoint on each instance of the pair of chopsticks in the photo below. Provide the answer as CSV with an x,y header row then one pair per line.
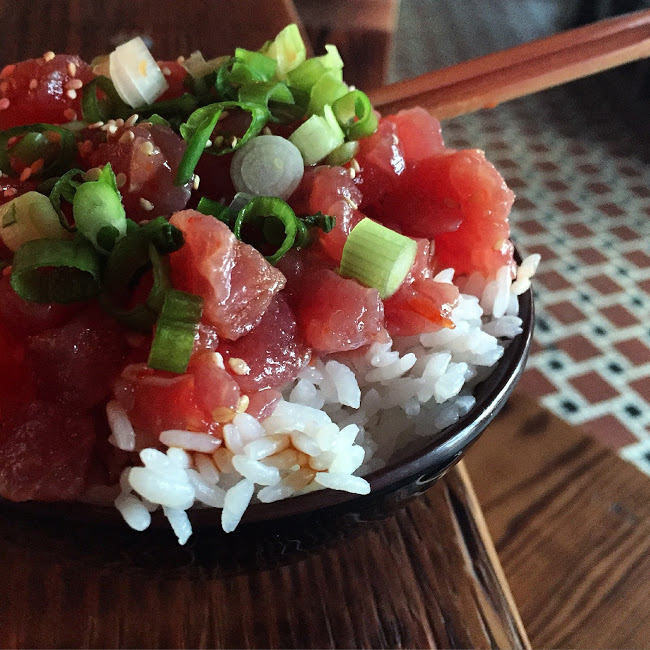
x,y
490,80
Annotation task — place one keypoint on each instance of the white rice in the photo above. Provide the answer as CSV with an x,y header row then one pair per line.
x,y
344,416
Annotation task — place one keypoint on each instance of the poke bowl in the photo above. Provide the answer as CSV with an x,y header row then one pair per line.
x,y
237,301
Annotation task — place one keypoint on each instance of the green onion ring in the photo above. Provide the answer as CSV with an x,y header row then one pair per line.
x,y
65,187
176,328
102,110
355,114
56,270
199,127
263,207
263,92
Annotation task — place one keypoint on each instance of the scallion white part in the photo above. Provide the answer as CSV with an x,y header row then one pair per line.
x,y
267,165
377,257
135,74
27,217
288,49
198,67
317,137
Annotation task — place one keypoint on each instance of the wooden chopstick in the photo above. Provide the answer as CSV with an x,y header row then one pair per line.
x,y
489,80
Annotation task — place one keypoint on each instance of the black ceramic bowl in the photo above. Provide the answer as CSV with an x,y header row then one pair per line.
x,y
272,533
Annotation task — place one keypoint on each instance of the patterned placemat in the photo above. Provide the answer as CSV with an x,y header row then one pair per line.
x,y
580,173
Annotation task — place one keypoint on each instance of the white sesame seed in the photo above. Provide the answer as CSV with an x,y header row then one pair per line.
x,y
70,114
239,366
351,172
218,141
127,136
351,203
33,84
146,205
93,174
208,144
119,122
180,59
95,125
132,120
72,69
120,179
147,148
48,56
243,403
354,164
166,71
395,139
267,131
72,94
74,84
4,104
195,181
233,141
112,128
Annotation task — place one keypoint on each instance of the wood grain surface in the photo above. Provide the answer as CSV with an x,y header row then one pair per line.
x,y
426,578
571,523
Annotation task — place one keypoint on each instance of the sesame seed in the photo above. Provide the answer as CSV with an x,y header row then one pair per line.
x,y
119,122
37,165
218,360
208,144
4,104
72,94
147,148
112,128
146,205
48,56
132,120
95,125
395,139
166,71
120,179
223,116
8,70
72,69
243,403
180,59
223,415
93,174
10,191
74,84
354,164
33,84
233,141
351,203
195,181
69,113
351,172
267,131
218,141
239,366
127,136
27,172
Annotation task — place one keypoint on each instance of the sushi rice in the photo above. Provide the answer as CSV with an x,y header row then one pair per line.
x,y
344,416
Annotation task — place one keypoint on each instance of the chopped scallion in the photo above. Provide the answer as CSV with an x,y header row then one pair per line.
x,y
94,109
317,137
377,257
56,270
355,114
176,328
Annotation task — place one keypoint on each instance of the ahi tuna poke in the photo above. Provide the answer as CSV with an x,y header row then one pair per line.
x,y
232,280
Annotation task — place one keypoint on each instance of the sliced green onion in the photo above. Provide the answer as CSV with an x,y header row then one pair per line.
x,y
65,187
310,71
97,206
274,218
94,109
325,91
67,148
163,235
317,137
252,66
32,147
143,316
377,257
355,114
56,270
343,154
198,67
27,217
176,328
288,49
198,129
263,92
217,210
178,107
